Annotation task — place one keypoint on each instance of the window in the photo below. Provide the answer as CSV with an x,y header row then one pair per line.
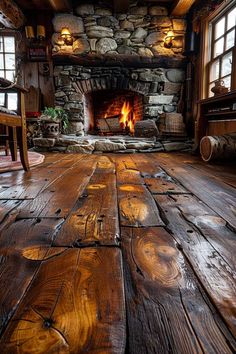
x,y
222,43
8,68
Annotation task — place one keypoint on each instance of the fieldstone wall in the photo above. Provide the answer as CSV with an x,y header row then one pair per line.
x,y
140,32
160,88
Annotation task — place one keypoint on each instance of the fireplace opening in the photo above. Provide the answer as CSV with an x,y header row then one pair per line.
x,y
112,112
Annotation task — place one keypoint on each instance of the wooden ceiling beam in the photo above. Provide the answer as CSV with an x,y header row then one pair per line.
x,y
11,15
60,5
181,7
121,6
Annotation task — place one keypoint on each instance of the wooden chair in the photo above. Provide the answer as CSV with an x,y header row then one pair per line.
x,y
15,132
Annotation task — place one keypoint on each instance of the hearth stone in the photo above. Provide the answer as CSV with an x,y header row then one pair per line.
x,y
81,148
108,145
44,142
118,144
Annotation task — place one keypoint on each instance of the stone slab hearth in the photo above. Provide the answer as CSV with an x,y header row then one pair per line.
x,y
116,144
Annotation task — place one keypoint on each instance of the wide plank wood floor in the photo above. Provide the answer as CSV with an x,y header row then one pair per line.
x,y
118,254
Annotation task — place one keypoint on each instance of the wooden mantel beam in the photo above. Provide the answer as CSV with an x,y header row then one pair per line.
x,y
60,5
11,15
121,6
181,7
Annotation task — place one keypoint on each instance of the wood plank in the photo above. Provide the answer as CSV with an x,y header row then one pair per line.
x,y
216,274
25,233
224,172
94,220
75,304
7,207
60,5
19,240
146,167
164,185
137,206
126,170
123,162
59,198
37,180
16,273
181,7
129,176
105,165
213,192
214,229
166,312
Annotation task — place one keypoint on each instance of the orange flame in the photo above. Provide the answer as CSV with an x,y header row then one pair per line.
x,y
127,117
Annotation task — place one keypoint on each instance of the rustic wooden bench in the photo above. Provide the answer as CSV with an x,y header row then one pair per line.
x,y
15,123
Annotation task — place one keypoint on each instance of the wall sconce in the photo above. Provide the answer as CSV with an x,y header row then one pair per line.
x,y
168,41
29,32
41,33
66,36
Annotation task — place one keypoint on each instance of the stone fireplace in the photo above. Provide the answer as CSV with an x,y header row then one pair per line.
x,y
93,94
117,62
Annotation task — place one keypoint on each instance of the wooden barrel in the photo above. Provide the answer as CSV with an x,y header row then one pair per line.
x,y
218,147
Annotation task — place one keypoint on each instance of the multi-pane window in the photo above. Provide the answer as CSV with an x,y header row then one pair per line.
x,y
222,42
8,68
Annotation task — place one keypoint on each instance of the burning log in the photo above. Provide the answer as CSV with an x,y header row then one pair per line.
x,y
109,124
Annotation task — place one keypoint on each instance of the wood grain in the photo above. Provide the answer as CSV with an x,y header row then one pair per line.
x,y
7,207
75,304
164,185
213,192
53,202
16,273
215,273
166,312
94,219
33,232
147,167
137,206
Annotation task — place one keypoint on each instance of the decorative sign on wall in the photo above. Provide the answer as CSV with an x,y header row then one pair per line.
x,y
38,53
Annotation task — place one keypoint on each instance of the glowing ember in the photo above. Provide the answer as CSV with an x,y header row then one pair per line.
x,y
127,117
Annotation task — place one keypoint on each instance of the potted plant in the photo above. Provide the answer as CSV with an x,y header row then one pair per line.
x,y
54,120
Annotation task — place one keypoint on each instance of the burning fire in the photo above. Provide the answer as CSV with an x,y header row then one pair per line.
x,y
127,117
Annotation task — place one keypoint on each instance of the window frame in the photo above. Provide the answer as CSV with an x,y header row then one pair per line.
x,y
3,34
207,52
5,70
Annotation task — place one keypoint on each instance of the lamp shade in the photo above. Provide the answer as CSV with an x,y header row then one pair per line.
x,y
65,32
